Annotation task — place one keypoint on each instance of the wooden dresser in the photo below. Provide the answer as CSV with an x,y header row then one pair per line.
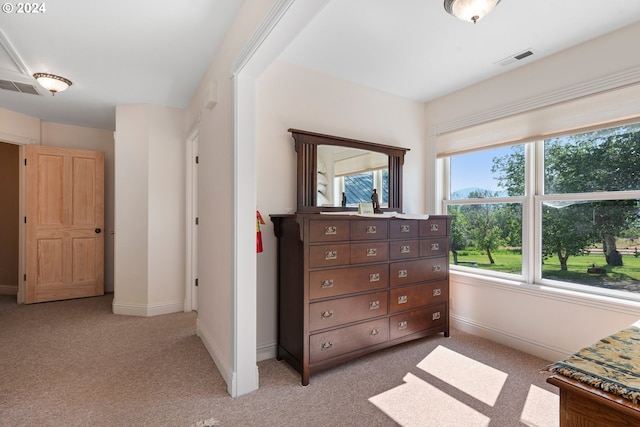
x,y
349,285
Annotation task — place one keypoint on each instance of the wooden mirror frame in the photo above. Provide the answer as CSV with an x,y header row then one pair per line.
x,y
306,145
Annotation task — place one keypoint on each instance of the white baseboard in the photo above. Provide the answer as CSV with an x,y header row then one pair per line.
x,y
266,351
509,339
8,290
147,310
216,355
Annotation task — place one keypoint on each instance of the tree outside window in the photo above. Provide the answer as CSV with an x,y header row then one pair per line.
x,y
588,204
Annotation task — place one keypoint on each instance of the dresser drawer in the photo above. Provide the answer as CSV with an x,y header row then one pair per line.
x,y
329,255
340,281
418,270
415,321
433,227
403,228
410,297
336,312
328,230
401,249
369,252
434,247
374,229
340,341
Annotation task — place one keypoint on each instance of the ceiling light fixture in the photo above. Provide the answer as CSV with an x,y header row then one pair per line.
x,y
52,83
470,10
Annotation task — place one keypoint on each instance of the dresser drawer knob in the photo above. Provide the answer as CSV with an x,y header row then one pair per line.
x,y
437,267
435,246
402,273
371,229
330,255
405,228
374,305
326,314
374,277
435,316
402,325
327,283
434,227
405,249
402,299
374,332
437,292
326,346
330,229
372,252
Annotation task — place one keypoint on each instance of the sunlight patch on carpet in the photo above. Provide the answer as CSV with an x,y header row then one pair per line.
x,y
476,379
541,408
419,404
207,423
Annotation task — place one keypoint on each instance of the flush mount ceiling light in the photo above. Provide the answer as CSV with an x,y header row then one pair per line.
x,y
470,10
52,83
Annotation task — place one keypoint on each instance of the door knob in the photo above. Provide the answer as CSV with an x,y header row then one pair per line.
x,y
98,230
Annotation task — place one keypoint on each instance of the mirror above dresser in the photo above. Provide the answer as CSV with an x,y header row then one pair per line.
x,y
335,173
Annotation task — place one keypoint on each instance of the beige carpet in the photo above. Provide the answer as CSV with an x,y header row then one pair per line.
x,y
74,363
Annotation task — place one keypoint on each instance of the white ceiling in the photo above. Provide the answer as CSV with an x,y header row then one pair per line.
x,y
115,52
145,51
414,49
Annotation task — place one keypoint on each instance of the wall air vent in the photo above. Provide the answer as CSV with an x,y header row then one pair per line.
x,y
512,59
18,87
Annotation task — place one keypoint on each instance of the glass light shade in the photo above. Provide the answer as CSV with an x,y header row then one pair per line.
x,y
470,10
52,83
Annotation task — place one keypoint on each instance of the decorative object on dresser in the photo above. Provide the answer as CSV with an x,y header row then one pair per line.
x,y
349,285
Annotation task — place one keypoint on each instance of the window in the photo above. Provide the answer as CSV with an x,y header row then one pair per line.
x,y
487,210
575,199
358,187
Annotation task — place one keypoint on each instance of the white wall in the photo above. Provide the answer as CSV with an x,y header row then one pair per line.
x,y
131,209
166,209
292,97
217,325
544,322
149,206
19,128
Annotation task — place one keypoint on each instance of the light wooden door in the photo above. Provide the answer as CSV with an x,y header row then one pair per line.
x,y
64,223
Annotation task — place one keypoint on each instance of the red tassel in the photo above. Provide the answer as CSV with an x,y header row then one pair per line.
x,y
259,221
258,242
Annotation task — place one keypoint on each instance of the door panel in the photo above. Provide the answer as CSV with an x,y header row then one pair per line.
x,y
50,180
65,219
50,265
84,193
83,255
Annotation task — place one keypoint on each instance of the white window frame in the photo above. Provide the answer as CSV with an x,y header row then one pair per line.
x,y
532,203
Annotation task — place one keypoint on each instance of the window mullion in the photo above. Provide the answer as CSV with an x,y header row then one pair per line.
x,y
530,228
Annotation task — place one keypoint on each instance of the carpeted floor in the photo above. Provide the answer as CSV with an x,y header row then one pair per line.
x,y
74,363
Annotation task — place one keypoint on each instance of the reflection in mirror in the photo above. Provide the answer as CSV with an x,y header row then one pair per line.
x,y
347,176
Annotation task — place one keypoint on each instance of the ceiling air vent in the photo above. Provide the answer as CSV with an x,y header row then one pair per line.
x,y
516,57
18,87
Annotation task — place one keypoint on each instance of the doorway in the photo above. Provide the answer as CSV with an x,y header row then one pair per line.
x,y
191,215
9,218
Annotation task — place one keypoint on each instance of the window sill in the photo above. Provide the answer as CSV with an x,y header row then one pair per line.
x,y
558,293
